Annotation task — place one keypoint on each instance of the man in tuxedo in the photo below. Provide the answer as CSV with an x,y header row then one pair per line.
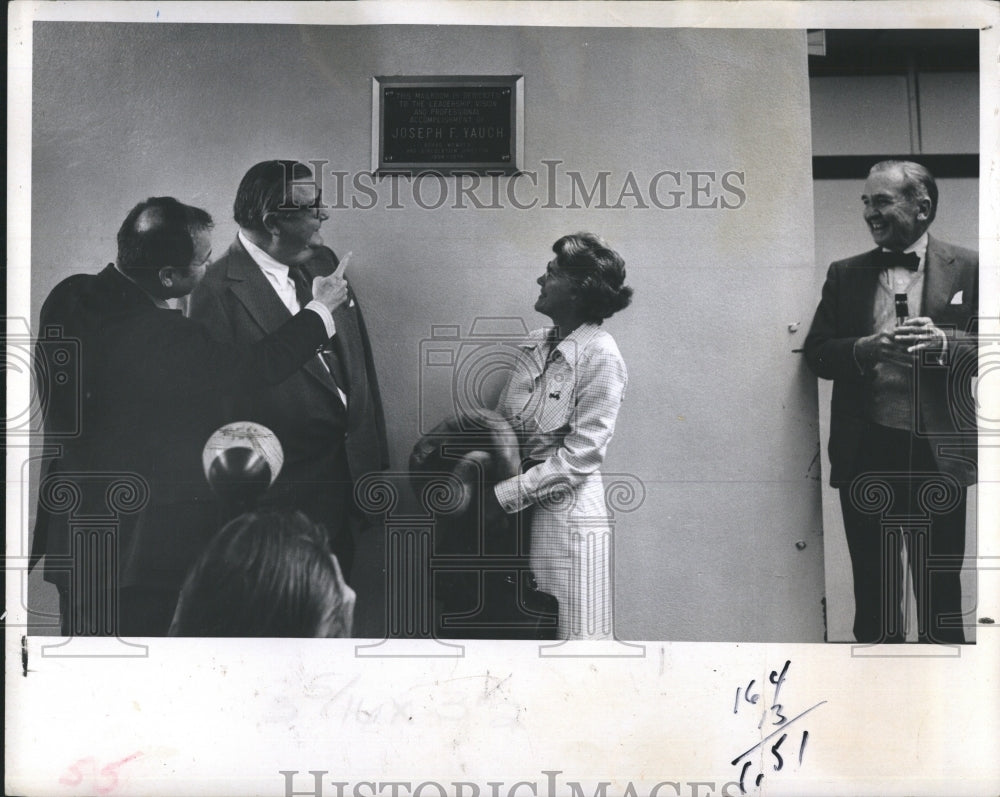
x,y
328,415
895,331
124,508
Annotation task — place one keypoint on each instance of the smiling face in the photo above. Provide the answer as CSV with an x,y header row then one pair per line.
x,y
558,296
894,219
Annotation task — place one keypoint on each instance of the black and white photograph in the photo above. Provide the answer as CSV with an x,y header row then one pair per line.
x,y
487,399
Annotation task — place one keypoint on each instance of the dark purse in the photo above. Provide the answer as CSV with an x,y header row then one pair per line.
x,y
500,598
481,579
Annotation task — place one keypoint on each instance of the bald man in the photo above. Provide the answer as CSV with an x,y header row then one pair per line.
x,y
123,507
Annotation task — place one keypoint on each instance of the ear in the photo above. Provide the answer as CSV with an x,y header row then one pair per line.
x,y
924,209
272,223
167,275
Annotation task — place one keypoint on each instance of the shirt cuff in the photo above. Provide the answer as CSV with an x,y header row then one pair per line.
x,y
506,493
321,310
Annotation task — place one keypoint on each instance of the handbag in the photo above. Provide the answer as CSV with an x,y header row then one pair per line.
x,y
481,579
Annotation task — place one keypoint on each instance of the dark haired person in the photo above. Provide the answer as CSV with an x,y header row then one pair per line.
x,y
901,378
562,399
266,574
328,414
142,409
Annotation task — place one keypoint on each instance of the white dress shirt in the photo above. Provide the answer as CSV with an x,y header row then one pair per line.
x,y
901,279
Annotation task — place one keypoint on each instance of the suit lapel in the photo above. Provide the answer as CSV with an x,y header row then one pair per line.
x,y
862,303
347,332
255,293
348,341
939,279
250,286
347,338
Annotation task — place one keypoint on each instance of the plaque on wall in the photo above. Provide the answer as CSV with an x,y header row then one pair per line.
x,y
447,124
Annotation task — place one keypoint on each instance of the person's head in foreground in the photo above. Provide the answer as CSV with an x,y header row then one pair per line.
x,y
266,574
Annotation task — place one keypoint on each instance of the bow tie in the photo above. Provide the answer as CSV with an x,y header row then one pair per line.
x,y
909,261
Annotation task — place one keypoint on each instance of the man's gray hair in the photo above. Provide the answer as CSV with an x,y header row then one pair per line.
x,y
918,182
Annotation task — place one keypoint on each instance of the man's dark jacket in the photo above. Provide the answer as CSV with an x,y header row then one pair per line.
x,y
944,410
144,404
326,450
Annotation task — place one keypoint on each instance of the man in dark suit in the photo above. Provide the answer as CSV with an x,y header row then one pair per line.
x,y
895,330
148,380
328,415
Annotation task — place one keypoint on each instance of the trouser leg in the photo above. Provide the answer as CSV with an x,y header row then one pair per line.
x,y
915,504
877,571
935,552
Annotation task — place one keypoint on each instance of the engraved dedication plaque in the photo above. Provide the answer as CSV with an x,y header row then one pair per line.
x,y
447,124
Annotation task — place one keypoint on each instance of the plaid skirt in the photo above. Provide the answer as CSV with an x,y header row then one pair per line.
x,y
571,553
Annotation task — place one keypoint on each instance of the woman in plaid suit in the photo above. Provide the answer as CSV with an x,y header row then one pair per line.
x,y
562,398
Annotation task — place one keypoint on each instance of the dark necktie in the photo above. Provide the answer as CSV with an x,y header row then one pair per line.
x,y
303,285
909,261
303,292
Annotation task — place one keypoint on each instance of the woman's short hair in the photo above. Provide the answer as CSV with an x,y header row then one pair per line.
x,y
265,574
598,271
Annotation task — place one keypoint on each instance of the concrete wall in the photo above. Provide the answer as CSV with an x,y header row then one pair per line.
x,y
719,423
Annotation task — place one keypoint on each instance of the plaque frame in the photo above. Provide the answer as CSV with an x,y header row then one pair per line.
x,y
511,162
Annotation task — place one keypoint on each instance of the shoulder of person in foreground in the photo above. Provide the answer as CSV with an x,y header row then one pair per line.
x,y
72,289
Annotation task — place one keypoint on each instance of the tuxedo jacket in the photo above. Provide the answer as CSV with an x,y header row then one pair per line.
x,y
944,409
130,422
323,445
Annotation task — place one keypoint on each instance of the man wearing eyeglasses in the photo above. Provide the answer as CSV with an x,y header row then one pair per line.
x,y
328,415
123,509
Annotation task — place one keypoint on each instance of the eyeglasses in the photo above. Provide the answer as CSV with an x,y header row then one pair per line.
x,y
316,208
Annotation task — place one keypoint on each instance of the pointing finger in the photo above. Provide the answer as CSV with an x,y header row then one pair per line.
x,y
343,264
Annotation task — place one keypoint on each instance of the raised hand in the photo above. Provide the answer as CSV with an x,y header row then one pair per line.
x,y
331,290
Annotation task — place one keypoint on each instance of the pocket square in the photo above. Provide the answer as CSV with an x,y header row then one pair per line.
x,y
957,298
352,302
